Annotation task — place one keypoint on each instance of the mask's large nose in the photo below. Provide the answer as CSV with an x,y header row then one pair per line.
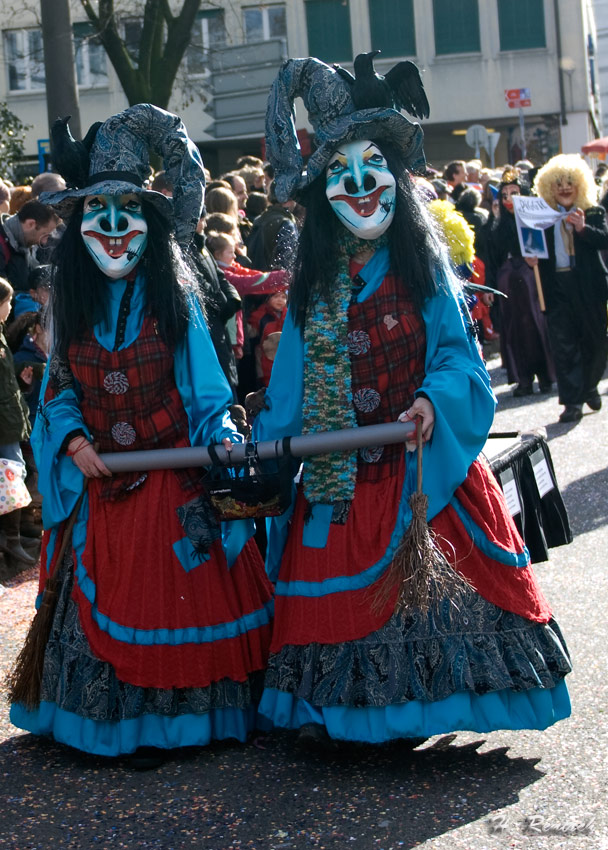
x,y
114,221
353,184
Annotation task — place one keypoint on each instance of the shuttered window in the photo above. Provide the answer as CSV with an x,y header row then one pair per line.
x,y
392,27
328,26
456,26
521,24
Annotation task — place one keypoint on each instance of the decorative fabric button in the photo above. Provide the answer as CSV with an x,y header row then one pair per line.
x,y
123,433
116,383
366,399
359,342
372,454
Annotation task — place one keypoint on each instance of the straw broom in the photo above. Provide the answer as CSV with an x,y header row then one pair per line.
x,y
419,568
25,680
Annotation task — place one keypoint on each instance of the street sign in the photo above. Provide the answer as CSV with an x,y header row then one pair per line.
x,y
44,155
476,137
493,139
516,98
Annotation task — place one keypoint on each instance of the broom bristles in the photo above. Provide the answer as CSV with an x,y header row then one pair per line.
x,y
25,680
419,570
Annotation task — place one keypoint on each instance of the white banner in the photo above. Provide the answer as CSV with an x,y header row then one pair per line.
x,y
534,212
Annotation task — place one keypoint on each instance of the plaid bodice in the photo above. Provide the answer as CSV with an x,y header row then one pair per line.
x,y
387,345
130,400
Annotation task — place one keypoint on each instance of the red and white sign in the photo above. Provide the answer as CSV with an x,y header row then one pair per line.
x,y
516,98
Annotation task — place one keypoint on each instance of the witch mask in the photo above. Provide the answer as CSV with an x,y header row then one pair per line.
x,y
115,232
361,188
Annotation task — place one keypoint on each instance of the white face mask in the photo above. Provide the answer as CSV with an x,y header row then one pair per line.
x,y
115,232
361,189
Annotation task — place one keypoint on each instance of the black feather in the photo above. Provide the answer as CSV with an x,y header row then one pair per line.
x,y
342,72
70,157
400,88
406,85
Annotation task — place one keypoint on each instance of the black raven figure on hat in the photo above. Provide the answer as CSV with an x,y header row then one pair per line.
x,y
400,88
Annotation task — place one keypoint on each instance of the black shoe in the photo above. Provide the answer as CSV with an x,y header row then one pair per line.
x,y
313,736
594,401
12,547
571,413
147,758
545,387
522,390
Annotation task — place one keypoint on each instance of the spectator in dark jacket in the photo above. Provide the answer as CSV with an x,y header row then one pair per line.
x,y
31,226
221,301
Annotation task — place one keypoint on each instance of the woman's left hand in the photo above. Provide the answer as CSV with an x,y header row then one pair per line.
x,y
423,408
576,218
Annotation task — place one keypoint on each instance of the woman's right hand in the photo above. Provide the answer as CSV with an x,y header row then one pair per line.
x,y
86,458
531,261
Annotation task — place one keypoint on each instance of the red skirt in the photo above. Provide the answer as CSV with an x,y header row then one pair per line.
x,y
313,616
159,617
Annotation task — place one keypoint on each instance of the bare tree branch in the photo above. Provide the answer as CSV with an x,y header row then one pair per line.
x,y
165,37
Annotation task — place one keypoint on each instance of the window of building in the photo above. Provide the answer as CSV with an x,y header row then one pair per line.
x,y
132,29
24,56
208,32
456,26
90,56
392,27
521,24
328,26
264,22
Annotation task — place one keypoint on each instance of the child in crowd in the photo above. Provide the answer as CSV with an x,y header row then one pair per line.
x,y
265,325
252,286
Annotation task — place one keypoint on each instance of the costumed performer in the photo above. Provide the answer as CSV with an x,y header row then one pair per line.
x,y
524,338
375,333
162,624
575,282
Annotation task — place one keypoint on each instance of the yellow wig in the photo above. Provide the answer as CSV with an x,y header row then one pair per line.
x,y
454,230
570,167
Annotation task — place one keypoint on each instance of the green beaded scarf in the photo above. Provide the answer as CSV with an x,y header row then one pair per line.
x,y
328,398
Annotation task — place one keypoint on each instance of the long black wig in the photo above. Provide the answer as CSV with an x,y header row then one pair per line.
x,y
78,286
414,249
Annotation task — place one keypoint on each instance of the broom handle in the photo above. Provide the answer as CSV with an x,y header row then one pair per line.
x,y
69,526
418,454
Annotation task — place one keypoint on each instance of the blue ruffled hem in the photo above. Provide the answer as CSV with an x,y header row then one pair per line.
x,y
537,708
125,736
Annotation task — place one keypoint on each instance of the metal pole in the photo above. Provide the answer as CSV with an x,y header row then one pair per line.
x,y
522,130
59,65
303,446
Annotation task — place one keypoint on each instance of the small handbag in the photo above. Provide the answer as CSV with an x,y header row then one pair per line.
x,y
13,492
251,489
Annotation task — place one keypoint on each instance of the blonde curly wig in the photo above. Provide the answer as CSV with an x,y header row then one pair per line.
x,y
571,167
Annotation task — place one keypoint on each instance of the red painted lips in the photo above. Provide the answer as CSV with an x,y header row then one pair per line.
x,y
365,205
115,246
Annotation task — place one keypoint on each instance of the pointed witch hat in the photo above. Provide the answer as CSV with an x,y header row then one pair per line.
x,y
114,157
332,98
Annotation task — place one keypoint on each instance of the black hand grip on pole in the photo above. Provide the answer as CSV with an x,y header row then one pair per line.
x,y
346,440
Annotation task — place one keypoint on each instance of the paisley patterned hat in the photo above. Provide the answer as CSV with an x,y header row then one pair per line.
x,y
113,159
341,108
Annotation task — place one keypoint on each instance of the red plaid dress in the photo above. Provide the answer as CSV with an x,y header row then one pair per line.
x,y
160,615
387,343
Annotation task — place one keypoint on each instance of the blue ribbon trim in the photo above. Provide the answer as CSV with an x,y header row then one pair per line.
x,y
492,550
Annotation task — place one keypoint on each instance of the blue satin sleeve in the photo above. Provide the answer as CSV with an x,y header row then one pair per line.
x,y
59,480
458,385
203,388
285,393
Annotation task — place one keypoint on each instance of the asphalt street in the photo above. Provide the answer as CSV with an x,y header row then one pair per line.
x,y
537,790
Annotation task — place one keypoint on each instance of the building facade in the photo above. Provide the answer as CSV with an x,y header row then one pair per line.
x,y
474,56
